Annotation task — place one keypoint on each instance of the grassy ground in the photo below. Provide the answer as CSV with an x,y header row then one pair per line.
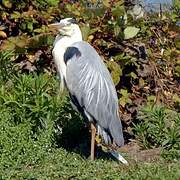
x,y
61,164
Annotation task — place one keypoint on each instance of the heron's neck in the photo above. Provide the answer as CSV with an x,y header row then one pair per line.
x,y
60,45
65,41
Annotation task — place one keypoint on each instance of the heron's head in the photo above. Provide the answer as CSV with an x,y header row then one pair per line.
x,y
67,27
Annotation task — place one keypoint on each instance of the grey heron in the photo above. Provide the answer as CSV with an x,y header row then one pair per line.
x,y
89,83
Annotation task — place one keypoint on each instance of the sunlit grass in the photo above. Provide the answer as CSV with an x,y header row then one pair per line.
x,y
61,164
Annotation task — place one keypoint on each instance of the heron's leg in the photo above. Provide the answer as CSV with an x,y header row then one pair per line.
x,y
93,134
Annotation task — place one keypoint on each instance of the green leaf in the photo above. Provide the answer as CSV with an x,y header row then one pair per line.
x,y
125,97
85,31
118,11
7,3
15,15
177,42
151,98
176,3
122,101
177,70
106,3
115,70
117,30
176,98
133,75
30,26
124,92
130,32
93,30
52,2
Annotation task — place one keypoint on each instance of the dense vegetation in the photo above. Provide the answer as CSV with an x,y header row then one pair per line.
x,y
41,137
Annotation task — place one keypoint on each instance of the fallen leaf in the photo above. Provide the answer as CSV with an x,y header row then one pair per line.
x,y
3,34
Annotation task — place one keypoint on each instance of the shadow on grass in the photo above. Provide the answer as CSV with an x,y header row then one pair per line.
x,y
75,137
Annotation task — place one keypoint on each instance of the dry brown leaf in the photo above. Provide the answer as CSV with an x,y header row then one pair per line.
x,y
3,34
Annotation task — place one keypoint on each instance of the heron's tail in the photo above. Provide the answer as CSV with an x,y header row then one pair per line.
x,y
108,140
115,129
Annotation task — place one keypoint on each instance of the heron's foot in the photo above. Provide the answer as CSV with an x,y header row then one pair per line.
x,y
112,149
119,157
98,139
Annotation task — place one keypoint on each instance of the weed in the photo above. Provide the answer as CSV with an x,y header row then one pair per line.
x,y
159,127
6,68
29,107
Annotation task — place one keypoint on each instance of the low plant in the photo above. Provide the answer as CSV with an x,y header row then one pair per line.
x,y
33,119
6,67
159,127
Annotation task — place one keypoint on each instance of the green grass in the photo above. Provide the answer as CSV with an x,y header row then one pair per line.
x,y
61,164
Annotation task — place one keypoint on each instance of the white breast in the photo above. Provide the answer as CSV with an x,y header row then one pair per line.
x,y
58,55
60,46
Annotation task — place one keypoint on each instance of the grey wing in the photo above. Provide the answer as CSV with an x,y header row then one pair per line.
x,y
90,83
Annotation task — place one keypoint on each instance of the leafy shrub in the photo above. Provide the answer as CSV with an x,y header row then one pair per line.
x,y
33,119
159,127
26,118
6,66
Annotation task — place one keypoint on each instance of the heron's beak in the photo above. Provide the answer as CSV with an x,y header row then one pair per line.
x,y
56,26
